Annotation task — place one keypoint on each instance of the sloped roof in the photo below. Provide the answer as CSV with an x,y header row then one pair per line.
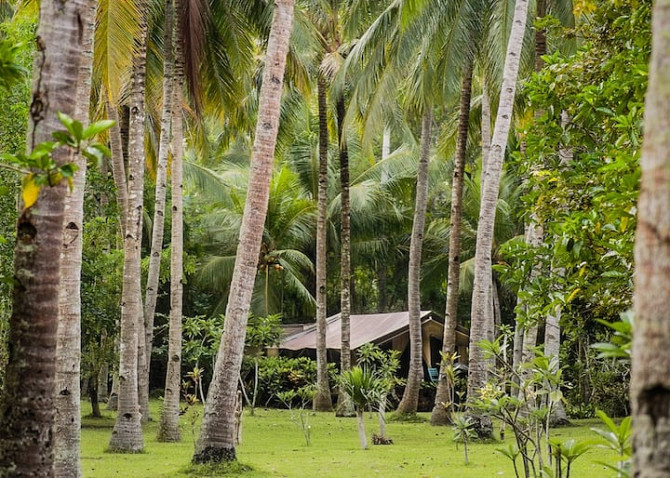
x,y
378,328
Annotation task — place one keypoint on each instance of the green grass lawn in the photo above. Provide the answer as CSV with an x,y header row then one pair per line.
x,y
273,446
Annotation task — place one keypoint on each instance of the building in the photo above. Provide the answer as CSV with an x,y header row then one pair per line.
x,y
388,331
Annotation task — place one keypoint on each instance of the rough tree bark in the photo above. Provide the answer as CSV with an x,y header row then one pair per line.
x,y
67,426
410,397
27,402
441,414
168,429
650,382
322,399
217,435
151,293
127,432
481,327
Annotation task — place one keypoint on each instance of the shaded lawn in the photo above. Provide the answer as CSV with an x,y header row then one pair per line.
x,y
273,446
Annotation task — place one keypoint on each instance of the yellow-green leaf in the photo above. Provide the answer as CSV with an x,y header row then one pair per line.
x,y
30,191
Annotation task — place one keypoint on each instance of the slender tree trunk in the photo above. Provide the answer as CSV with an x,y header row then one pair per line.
x,y
217,435
322,399
67,426
27,402
481,327
127,433
552,346
441,414
118,165
344,407
169,424
410,397
650,383
103,387
360,420
151,294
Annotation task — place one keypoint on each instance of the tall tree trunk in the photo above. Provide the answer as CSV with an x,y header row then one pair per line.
x,y
482,327
217,435
322,399
344,407
67,426
441,414
127,433
410,397
650,382
168,429
27,402
159,213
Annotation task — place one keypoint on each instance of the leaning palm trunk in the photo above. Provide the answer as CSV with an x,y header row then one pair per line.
x,y
410,398
344,407
27,403
159,215
217,435
127,433
67,426
482,326
650,382
168,429
442,409
322,400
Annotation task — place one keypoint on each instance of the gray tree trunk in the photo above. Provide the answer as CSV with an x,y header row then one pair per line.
x,y
27,402
441,414
322,399
344,407
67,426
650,382
153,276
127,432
168,429
482,325
410,397
217,435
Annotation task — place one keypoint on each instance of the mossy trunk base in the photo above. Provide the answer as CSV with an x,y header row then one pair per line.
x,y
214,455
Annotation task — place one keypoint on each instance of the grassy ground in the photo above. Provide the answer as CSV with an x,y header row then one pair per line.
x,y
273,446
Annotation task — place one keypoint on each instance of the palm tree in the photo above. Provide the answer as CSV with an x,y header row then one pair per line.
x,y
27,403
440,414
322,399
127,432
67,426
158,222
217,436
651,342
482,321
168,429
410,398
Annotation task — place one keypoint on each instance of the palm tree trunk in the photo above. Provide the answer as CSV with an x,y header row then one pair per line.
x,y
127,433
159,214
67,426
410,397
168,429
360,420
344,407
322,400
441,414
650,382
482,327
27,403
217,435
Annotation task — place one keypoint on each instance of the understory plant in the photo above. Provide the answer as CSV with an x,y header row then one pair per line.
x,y
463,431
300,413
365,388
523,399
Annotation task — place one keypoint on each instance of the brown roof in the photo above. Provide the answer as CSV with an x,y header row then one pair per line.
x,y
378,328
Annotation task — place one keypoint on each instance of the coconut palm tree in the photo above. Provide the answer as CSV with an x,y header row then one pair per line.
x,y
67,426
27,403
217,436
482,323
649,383
168,429
127,432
